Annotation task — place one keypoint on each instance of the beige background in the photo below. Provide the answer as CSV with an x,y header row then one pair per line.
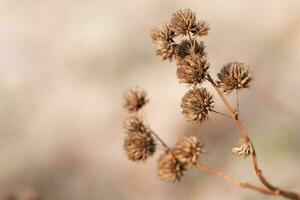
x,y
65,63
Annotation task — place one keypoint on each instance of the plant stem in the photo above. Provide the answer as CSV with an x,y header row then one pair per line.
x,y
167,148
237,109
263,180
233,181
223,114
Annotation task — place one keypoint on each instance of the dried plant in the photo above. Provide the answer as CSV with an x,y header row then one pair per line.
x,y
197,104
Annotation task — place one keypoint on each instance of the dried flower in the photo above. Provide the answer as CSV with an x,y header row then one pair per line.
x,y
183,21
244,150
234,75
201,29
139,146
193,71
162,37
169,167
192,62
186,47
196,104
188,150
135,99
162,32
134,123
166,50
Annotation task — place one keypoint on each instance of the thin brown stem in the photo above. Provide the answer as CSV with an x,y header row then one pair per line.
x,y
263,180
237,109
223,114
234,181
167,148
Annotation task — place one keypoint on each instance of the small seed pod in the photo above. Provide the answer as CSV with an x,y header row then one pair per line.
x,y
244,150
196,104
162,37
135,99
186,47
169,167
183,21
200,29
165,50
234,75
188,149
192,62
139,146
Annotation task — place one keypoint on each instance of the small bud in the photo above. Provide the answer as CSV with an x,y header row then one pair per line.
x,y
244,150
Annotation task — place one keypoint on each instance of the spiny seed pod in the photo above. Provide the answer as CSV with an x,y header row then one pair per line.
x,y
196,104
169,167
162,37
188,150
134,123
162,32
244,150
139,146
166,50
183,21
135,99
200,29
192,62
186,47
234,75
193,74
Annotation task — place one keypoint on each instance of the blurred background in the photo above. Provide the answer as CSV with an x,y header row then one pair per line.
x,y
64,65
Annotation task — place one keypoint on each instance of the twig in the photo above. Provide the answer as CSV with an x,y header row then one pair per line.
x,y
234,181
167,148
263,180
237,109
223,114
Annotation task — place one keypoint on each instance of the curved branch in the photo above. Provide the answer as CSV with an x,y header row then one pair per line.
x,y
233,181
263,180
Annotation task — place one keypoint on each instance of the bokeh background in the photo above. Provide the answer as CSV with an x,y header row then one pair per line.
x,y
64,65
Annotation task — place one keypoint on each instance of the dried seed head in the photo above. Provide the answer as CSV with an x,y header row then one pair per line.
x,y
192,62
165,50
135,99
134,123
183,21
234,75
162,37
244,150
188,150
193,74
169,167
186,47
201,29
162,32
196,104
139,146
